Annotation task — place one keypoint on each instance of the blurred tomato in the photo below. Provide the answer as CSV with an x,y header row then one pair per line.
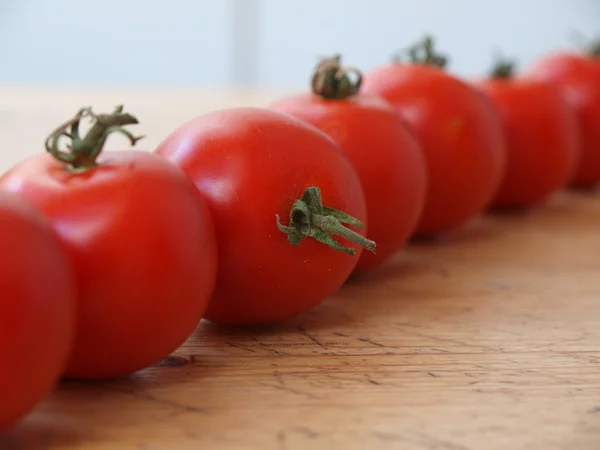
x,y
37,308
577,75
460,136
541,135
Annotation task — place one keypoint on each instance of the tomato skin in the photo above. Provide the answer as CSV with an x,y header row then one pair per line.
x,y
461,139
251,164
142,244
37,308
385,155
541,138
578,78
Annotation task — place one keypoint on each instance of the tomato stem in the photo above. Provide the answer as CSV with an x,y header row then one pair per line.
x,y
331,80
594,48
503,68
309,218
81,153
423,52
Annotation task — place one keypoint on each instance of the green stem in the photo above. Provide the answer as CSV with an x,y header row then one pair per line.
x,y
309,218
423,52
503,68
81,153
331,80
594,48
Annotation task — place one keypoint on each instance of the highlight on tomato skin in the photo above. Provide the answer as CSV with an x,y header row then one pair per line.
x,y
288,207
577,75
139,237
385,155
460,136
37,309
541,135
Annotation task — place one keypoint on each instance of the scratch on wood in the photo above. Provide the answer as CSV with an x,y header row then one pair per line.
x,y
340,334
312,338
277,352
371,380
455,342
233,344
370,341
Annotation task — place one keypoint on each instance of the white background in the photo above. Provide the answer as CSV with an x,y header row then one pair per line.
x,y
265,42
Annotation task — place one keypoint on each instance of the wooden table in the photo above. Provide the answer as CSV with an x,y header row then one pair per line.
x,y
486,340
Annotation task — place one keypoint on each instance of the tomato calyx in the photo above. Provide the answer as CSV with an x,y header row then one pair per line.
x,y
423,52
594,49
331,80
82,152
309,218
503,69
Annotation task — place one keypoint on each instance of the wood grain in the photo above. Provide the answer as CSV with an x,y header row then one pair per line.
x,y
487,339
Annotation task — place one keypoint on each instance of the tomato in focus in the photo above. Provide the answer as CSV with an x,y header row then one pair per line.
x,y
541,137
384,153
140,239
274,186
460,136
578,78
37,308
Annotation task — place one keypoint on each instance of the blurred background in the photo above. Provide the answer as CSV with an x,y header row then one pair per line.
x,y
168,61
265,42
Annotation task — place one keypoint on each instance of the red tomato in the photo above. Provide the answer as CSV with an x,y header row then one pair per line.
x,y
140,238
253,165
541,137
386,156
578,78
37,308
460,137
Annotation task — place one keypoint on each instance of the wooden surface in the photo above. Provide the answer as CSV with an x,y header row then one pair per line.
x,y
487,340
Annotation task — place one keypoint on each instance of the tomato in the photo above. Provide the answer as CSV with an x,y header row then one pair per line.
x,y
37,308
541,137
460,136
267,177
578,78
384,153
139,236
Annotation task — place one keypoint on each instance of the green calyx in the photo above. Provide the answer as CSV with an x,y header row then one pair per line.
x,y
82,152
310,219
331,80
503,69
594,49
423,52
